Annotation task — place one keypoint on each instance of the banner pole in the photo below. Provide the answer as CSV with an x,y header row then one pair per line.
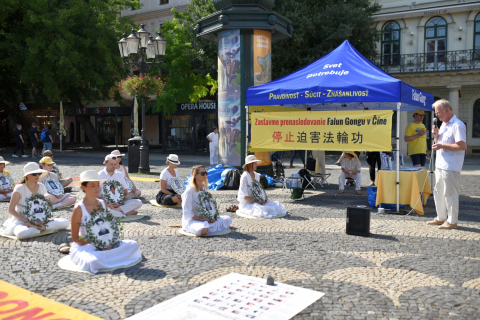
x,y
398,156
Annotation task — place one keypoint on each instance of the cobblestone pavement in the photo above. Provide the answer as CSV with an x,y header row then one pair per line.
x,y
404,270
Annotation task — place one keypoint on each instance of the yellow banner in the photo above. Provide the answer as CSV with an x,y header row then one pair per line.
x,y
322,130
18,303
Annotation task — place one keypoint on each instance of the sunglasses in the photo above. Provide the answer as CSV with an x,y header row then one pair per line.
x,y
113,158
35,174
203,173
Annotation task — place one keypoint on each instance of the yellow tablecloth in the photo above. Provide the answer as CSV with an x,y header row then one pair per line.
x,y
411,184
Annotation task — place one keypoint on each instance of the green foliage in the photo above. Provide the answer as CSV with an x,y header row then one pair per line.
x,y
63,49
319,27
182,83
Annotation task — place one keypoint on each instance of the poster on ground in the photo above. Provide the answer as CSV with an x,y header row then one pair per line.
x,y
322,130
229,97
235,297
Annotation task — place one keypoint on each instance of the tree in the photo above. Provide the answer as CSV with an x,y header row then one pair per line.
x,y
319,27
56,50
183,83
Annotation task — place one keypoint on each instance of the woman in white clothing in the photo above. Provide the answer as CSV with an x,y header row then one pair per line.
x,y
166,195
248,205
191,221
57,201
18,225
135,193
84,254
5,194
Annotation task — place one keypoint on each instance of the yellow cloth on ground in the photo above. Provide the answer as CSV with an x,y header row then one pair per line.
x,y
26,304
411,184
418,145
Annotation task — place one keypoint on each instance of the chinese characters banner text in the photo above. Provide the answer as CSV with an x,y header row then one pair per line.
x,y
325,130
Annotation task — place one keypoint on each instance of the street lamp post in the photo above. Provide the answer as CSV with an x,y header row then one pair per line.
x,y
142,52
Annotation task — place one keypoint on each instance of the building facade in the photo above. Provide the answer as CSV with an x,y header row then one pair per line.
x,y
435,46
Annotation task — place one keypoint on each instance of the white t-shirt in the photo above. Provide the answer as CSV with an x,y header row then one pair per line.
x,y
165,175
117,176
25,193
214,137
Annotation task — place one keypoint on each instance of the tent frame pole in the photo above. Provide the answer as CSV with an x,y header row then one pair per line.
x,y
246,129
398,155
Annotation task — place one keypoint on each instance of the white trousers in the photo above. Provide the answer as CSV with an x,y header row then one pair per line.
x,y
343,176
128,205
213,154
134,195
5,197
23,232
445,194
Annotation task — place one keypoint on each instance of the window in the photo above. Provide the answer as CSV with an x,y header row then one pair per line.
x,y
163,2
391,44
476,119
476,39
436,40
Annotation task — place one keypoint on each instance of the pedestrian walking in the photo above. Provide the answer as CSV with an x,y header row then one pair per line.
x,y
450,144
47,139
20,142
213,138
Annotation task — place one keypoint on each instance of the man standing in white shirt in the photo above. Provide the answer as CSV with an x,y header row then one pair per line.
x,y
213,138
125,207
450,144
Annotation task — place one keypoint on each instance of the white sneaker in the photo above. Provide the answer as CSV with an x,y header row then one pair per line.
x,y
14,155
24,156
372,184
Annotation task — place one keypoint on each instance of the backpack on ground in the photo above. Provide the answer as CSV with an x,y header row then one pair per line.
x,y
43,136
304,173
232,180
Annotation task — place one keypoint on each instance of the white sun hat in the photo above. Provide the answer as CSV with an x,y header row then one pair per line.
x,y
117,153
250,159
32,167
3,161
173,158
86,176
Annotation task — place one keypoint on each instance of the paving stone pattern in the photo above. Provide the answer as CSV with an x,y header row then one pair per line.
x,y
404,270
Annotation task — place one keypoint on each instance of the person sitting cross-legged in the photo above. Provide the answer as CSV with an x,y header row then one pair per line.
x,y
136,193
351,169
191,219
248,205
83,253
18,225
125,207
59,200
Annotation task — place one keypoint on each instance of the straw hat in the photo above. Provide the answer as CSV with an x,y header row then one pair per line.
x,y
32,167
86,176
46,160
117,153
250,159
173,158
353,154
419,111
3,161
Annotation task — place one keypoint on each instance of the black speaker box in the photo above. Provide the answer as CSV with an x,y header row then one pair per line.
x,y
358,221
